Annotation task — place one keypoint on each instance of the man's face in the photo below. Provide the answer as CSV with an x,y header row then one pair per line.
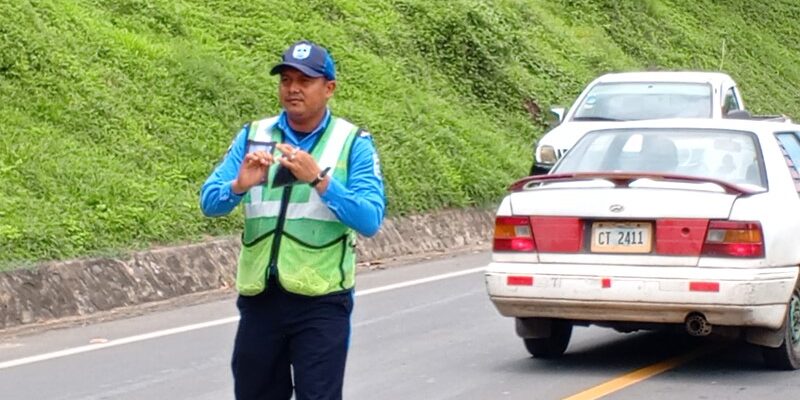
x,y
303,96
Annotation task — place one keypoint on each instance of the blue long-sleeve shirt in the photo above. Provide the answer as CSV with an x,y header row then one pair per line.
x,y
360,204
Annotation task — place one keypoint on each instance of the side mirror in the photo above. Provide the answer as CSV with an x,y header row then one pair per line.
x,y
557,113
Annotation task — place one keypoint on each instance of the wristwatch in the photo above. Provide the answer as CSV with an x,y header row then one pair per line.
x,y
320,177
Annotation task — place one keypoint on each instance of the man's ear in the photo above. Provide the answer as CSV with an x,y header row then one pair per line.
x,y
330,87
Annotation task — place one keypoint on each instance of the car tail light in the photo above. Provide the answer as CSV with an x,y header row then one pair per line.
x,y
557,234
734,239
680,237
513,234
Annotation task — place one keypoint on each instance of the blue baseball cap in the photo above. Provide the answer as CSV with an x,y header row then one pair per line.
x,y
309,58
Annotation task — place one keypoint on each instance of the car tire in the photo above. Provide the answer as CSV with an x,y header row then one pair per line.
x,y
553,346
787,355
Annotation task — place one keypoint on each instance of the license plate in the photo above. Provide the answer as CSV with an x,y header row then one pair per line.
x,y
621,237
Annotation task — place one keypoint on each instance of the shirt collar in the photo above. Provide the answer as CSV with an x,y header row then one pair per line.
x,y
283,124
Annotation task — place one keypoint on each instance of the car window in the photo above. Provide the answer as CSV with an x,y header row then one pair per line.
x,y
731,156
791,147
731,103
791,144
645,100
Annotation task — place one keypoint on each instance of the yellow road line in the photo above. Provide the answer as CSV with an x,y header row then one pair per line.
x,y
639,375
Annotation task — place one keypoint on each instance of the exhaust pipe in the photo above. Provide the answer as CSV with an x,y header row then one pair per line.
x,y
697,325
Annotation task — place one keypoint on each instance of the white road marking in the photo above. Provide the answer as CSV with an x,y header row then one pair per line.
x,y
187,328
416,282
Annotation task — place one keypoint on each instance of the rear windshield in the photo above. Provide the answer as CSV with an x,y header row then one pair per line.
x,y
645,100
731,156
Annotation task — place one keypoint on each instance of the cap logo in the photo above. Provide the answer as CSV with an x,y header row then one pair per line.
x,y
301,51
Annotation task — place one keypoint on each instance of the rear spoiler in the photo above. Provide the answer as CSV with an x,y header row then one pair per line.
x,y
624,179
744,114
773,118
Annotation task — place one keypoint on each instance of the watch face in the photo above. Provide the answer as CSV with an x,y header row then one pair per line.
x,y
320,177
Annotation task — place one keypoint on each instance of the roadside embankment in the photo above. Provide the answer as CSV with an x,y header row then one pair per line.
x,y
82,287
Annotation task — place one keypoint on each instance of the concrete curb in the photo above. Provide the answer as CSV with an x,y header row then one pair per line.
x,y
76,288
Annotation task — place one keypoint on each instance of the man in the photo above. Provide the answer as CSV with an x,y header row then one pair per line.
x,y
297,265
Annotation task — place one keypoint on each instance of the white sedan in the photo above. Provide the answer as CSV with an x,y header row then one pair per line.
x,y
650,224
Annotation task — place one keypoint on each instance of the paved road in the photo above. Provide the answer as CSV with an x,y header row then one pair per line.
x,y
440,339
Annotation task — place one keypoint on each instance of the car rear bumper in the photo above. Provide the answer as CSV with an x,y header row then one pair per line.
x,y
745,297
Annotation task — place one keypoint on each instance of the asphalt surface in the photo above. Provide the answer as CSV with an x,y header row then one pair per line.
x,y
440,339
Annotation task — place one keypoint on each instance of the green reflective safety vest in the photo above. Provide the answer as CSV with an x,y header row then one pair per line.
x,y
292,229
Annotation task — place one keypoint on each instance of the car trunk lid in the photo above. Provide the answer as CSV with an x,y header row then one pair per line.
x,y
624,220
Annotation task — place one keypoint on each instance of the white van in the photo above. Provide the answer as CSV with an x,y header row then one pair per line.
x,y
634,96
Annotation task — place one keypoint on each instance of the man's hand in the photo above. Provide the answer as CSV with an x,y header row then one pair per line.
x,y
252,172
300,163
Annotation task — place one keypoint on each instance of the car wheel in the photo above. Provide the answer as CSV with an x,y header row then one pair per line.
x,y
553,346
787,356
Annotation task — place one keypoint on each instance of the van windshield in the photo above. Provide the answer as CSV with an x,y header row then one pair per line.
x,y
627,101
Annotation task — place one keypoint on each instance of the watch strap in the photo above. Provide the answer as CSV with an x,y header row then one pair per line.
x,y
320,177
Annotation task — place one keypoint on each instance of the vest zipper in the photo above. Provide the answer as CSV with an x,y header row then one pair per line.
x,y
276,242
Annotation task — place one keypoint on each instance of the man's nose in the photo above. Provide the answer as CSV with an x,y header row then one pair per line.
x,y
293,87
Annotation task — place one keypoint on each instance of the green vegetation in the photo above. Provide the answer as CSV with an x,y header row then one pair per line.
x,y
114,111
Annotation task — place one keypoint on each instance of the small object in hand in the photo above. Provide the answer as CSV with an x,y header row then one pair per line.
x,y
253,146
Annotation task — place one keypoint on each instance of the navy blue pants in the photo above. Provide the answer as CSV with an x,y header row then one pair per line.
x,y
283,335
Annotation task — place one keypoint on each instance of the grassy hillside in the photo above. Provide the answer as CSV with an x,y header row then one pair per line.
x,y
114,111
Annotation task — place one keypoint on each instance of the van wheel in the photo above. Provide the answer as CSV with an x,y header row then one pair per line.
x,y
553,346
787,355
